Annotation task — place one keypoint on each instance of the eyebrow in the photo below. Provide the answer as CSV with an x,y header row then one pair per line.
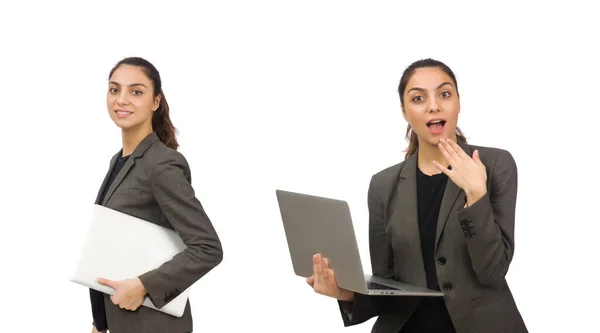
x,y
438,87
131,85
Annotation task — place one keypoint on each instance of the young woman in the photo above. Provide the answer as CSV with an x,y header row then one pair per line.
x,y
148,178
443,219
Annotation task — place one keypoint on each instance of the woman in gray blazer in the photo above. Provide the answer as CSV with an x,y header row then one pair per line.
x,y
148,178
443,219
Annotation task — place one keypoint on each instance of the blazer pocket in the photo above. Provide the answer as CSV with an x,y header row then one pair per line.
x,y
137,190
487,298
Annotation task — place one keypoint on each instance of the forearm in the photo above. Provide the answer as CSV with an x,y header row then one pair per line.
x,y
346,296
171,186
173,277
362,308
474,195
488,248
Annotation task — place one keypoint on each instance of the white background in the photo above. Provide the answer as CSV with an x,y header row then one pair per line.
x,y
301,96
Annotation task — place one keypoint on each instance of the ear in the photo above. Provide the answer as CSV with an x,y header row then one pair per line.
x,y
404,113
156,102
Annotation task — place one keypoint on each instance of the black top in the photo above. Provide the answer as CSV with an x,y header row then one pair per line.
x,y
113,174
431,315
97,298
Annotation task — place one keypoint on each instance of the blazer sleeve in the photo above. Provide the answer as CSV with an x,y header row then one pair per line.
x,y
365,307
171,187
488,225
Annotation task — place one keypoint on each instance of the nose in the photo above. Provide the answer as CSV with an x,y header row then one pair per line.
x,y
122,99
433,105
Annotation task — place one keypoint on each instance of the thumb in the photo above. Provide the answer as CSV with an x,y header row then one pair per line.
x,y
476,156
311,280
107,282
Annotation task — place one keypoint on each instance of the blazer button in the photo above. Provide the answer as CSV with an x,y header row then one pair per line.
x,y
441,260
447,286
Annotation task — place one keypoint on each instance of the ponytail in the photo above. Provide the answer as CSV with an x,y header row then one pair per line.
x,y
162,125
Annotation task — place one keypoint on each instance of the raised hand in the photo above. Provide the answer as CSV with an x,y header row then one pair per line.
x,y
467,172
129,294
323,280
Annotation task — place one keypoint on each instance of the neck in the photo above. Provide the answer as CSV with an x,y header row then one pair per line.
x,y
132,138
428,153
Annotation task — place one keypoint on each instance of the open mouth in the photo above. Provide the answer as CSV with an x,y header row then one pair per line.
x,y
436,123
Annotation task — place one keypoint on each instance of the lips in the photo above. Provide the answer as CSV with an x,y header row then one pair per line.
x,y
436,122
436,126
123,113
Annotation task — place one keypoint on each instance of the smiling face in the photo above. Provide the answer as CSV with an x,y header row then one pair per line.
x,y
431,105
130,99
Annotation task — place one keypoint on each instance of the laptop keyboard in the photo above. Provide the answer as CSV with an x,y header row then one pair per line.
x,y
377,286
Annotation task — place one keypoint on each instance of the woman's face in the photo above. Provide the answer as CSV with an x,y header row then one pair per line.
x,y
130,98
431,105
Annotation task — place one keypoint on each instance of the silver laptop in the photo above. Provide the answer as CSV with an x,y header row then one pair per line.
x,y
322,225
120,246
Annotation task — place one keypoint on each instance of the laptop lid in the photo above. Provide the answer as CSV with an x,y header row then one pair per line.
x,y
119,246
316,224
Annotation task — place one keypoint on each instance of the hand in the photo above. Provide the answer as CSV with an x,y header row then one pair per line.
x,y
467,173
129,294
323,281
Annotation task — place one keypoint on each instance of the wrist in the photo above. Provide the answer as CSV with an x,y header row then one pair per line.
x,y
346,295
473,195
141,287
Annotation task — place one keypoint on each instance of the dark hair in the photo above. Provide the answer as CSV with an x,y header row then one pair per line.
x,y
411,136
161,122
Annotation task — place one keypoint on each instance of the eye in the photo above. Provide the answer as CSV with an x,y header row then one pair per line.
x,y
417,99
445,94
137,92
112,90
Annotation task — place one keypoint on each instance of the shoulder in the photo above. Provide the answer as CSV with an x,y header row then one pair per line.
x,y
493,157
388,173
491,153
385,177
158,152
159,158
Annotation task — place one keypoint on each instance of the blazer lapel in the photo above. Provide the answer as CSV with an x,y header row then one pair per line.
x,y
407,219
453,196
137,153
118,179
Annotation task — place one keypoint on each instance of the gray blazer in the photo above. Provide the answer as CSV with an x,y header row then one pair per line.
x,y
475,245
155,185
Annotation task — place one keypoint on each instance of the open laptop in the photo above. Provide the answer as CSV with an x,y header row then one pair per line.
x,y
322,225
120,246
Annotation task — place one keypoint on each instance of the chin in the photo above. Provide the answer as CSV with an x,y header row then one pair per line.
x,y
434,141
124,125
